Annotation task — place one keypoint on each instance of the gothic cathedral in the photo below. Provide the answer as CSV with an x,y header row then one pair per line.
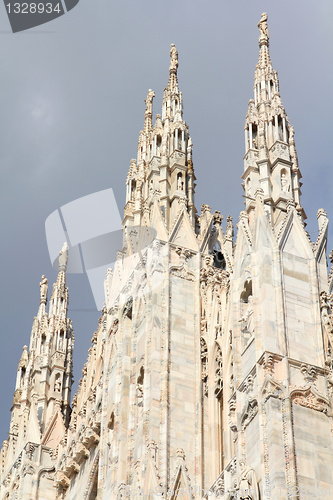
x,y
210,372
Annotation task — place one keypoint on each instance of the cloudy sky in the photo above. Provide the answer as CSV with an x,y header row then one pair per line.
x,y
72,105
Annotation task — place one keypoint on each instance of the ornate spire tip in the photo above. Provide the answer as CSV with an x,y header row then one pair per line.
x,y
263,28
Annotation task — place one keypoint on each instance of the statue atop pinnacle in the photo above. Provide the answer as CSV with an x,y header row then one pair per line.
x,y
262,25
173,57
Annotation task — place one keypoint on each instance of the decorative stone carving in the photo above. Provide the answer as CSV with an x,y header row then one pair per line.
x,y
268,363
43,290
127,311
232,414
218,373
204,366
62,480
262,25
249,412
309,373
309,398
90,438
63,257
28,469
17,396
182,270
173,57
285,186
247,320
218,487
248,485
71,467
271,388
81,453
30,450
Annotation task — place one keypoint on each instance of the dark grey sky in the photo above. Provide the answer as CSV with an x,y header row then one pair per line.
x,y
72,105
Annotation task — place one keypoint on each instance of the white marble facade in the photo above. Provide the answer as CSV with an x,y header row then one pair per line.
x,y
210,372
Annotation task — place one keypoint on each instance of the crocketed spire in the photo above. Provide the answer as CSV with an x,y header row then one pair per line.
x,y
173,80
270,162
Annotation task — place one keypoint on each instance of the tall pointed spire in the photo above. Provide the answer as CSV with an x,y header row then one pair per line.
x,y
51,345
270,161
149,112
164,166
173,80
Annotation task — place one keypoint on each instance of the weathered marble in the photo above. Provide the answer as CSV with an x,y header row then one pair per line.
x,y
210,372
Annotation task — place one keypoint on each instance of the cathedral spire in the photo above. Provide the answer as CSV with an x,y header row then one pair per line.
x,y
164,166
149,112
173,80
270,161
59,297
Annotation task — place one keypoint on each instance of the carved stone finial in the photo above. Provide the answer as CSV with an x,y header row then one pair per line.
x,y
149,111
63,257
43,290
24,358
173,57
217,218
262,25
173,82
321,217
291,205
149,100
331,256
230,228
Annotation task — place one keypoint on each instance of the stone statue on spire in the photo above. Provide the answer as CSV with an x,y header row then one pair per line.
x,y
63,257
149,100
43,290
173,57
262,25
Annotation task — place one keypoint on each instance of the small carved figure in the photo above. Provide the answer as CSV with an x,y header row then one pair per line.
x,y
247,319
43,288
248,487
284,183
61,344
262,25
180,183
248,187
149,100
63,256
229,233
174,57
57,385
